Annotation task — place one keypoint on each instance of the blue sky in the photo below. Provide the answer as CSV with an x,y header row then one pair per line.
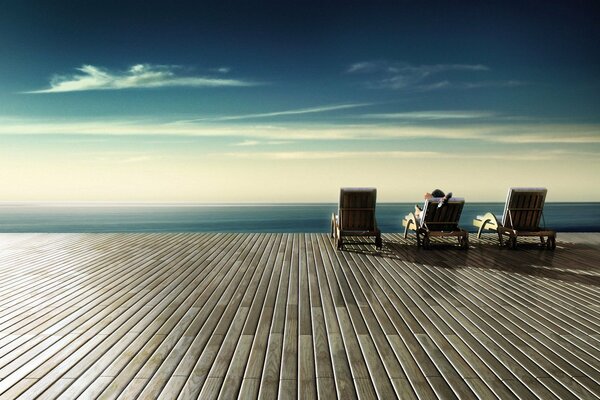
x,y
281,101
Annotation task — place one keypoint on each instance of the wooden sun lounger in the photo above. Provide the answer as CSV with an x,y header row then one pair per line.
x,y
356,216
523,212
437,222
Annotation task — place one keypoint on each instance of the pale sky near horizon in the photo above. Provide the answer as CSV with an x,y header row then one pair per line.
x,y
275,102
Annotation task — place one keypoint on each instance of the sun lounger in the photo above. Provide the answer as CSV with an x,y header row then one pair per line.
x,y
437,222
523,212
356,216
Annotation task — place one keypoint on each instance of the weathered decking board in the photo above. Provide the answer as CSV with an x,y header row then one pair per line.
x,y
287,316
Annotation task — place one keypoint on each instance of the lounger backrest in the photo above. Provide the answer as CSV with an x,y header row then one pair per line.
x,y
357,209
444,218
523,208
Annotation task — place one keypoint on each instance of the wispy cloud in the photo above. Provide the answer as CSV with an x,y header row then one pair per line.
x,y
432,115
541,138
138,159
422,155
247,143
406,68
484,84
402,75
121,157
508,133
326,155
311,110
138,76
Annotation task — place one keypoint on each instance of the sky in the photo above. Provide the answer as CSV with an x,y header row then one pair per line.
x,y
275,101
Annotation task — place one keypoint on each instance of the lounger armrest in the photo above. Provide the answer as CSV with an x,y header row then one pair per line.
x,y
487,221
409,222
334,224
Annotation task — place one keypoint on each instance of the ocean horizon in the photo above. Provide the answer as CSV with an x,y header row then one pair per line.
x,y
69,217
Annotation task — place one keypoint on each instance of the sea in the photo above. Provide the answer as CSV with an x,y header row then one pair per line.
x,y
301,217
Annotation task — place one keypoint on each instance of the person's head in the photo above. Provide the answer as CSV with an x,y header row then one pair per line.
x,y
437,193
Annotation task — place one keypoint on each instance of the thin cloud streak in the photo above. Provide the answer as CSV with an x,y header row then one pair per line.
x,y
432,115
118,157
301,111
404,67
468,85
326,155
136,77
339,155
247,143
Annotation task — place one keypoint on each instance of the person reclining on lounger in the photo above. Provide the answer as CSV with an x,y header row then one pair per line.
x,y
434,193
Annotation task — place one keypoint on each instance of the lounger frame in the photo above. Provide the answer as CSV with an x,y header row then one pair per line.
x,y
437,222
356,216
523,212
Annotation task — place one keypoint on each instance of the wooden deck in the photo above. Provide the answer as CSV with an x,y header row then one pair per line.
x,y
288,316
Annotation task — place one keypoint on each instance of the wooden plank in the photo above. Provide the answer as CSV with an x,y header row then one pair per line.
x,y
262,326
269,380
288,378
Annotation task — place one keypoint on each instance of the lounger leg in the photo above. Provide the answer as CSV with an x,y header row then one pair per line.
x,y
378,242
484,223
551,243
426,241
463,240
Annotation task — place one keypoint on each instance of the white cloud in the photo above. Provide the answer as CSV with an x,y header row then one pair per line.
x,y
137,76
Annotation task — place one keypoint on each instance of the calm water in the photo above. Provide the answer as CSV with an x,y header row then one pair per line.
x,y
565,217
